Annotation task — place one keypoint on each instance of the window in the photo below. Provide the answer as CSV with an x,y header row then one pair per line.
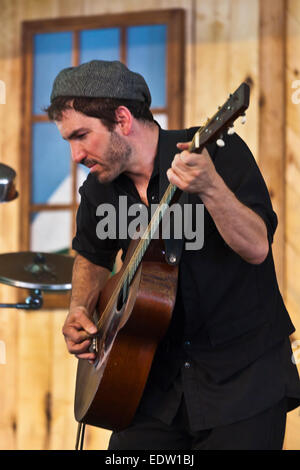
x,y
150,43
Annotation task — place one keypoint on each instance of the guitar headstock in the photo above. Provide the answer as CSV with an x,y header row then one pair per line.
x,y
223,120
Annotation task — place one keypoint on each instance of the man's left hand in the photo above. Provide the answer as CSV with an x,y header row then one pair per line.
x,y
193,172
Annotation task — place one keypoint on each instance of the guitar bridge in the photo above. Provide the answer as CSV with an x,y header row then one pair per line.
x,y
94,346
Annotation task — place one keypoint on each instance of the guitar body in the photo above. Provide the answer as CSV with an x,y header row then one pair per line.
x,y
108,396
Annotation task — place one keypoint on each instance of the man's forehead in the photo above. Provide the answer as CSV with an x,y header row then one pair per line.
x,y
71,115
72,120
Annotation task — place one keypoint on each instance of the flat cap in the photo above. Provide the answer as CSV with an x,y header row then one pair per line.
x,y
101,79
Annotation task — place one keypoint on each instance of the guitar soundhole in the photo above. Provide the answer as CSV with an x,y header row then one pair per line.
x,y
111,333
122,298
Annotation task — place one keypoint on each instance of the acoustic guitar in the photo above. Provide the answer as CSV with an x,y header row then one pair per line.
x,y
136,304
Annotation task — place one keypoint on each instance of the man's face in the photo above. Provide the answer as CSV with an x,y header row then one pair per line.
x,y
106,153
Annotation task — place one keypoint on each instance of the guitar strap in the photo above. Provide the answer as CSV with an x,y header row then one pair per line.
x,y
167,151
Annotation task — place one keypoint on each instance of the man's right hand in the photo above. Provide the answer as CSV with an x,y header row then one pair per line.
x,y
77,330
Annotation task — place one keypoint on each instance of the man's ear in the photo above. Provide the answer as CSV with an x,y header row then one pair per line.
x,y
124,119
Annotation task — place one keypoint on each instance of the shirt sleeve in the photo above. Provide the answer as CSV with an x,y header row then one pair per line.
x,y
86,243
237,166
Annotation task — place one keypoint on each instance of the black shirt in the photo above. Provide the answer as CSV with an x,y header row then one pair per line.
x,y
227,347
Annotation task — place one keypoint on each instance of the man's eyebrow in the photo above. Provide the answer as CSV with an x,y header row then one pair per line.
x,y
75,133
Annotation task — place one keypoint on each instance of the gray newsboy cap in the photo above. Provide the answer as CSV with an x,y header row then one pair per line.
x,y
101,79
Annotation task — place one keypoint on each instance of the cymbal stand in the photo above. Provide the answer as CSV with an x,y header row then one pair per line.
x,y
33,302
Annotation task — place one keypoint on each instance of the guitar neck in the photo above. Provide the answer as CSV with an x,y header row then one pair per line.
x,y
171,194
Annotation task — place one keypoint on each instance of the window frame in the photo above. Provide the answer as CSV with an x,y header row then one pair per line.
x,y
172,18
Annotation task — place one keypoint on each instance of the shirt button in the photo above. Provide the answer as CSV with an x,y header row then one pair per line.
x,y
187,365
187,343
152,198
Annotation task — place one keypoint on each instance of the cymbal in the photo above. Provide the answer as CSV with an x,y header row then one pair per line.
x,y
30,270
7,188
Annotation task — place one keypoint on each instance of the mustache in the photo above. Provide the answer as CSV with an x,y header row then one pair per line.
x,y
88,162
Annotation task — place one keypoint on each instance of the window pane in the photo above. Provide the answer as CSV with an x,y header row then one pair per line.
x,y
51,165
82,173
147,55
52,52
162,120
50,231
101,44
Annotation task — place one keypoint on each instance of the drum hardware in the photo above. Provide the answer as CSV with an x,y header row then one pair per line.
x,y
34,271
33,302
7,188
38,272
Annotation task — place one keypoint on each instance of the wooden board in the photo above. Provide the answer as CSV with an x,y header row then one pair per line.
x,y
292,198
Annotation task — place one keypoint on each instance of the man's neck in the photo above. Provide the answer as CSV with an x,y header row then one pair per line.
x,y
144,147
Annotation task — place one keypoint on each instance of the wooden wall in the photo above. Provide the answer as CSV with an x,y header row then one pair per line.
x,y
227,41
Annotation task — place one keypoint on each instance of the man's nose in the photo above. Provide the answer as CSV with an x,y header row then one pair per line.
x,y
77,152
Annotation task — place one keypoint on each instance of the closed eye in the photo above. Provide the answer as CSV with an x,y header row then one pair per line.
x,y
76,134
80,136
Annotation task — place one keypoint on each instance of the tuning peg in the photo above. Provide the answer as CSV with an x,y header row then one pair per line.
x,y
243,120
231,131
220,143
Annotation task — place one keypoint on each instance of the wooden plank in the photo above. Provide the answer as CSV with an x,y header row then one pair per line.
x,y
40,118
25,144
8,374
123,45
175,81
272,117
34,388
9,217
226,54
63,372
113,20
49,207
292,199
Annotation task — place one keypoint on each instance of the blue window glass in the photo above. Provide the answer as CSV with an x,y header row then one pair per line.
x,y
147,55
101,44
52,52
51,165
